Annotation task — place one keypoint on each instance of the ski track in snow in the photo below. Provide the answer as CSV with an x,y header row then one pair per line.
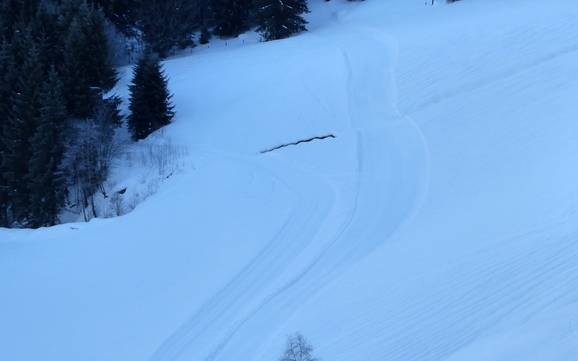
x,y
411,253
523,286
392,164
308,212
392,180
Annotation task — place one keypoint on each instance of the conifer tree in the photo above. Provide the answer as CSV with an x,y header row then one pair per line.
x,y
232,17
205,37
122,13
7,75
76,76
279,19
102,74
15,14
87,67
45,183
204,20
18,131
167,24
7,79
47,32
150,104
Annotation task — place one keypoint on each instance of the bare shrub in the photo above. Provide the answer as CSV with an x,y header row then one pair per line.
x,y
298,349
165,158
117,204
149,163
87,160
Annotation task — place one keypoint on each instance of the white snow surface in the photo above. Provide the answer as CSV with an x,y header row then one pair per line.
x,y
440,224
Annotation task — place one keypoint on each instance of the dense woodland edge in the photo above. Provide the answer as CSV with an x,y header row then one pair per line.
x,y
58,112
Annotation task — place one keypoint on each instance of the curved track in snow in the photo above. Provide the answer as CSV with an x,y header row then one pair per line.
x,y
377,245
391,178
312,201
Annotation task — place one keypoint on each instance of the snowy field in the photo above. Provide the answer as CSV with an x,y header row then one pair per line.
x,y
440,224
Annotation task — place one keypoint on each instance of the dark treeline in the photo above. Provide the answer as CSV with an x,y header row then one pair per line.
x,y
57,117
166,25
57,123
55,120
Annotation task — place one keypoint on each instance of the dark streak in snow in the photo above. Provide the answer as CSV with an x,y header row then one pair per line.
x,y
297,143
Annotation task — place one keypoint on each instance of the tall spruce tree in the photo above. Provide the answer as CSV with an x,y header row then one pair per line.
x,y
167,24
7,80
122,13
150,104
102,74
45,182
18,131
47,32
231,17
80,96
87,68
279,19
16,14
204,20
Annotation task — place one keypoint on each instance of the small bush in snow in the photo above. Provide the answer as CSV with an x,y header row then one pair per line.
x,y
298,349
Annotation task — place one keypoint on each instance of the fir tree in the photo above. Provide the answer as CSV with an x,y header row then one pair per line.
x,y
7,79
150,104
102,74
231,17
80,96
204,19
46,183
122,13
47,32
16,14
87,68
7,75
18,131
167,24
279,19
205,36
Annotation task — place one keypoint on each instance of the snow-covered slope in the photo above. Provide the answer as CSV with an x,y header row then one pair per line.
x,y
439,224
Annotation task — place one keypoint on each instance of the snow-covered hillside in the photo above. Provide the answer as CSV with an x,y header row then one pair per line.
x,y
441,222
